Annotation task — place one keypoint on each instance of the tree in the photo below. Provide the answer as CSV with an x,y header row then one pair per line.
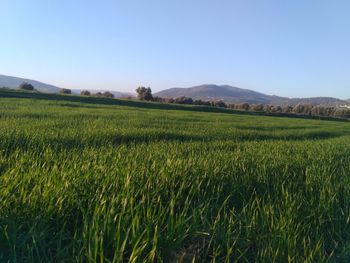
x,y
307,109
144,93
303,109
330,111
232,106
201,102
183,100
26,86
267,108
276,108
257,107
85,93
287,109
220,104
65,91
243,106
319,111
158,99
169,100
108,94
342,113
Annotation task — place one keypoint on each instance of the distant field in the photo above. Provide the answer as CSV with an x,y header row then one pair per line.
x,y
90,182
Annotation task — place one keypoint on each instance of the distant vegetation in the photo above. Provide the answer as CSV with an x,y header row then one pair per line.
x,y
300,109
236,95
105,94
14,83
26,86
217,93
188,104
85,93
144,93
65,91
99,182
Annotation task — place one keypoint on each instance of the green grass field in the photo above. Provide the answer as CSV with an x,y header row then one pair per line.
x,y
89,182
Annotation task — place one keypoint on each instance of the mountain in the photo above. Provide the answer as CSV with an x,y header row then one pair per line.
x,y
231,94
14,82
215,92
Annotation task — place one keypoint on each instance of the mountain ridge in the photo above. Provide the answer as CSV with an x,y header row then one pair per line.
x,y
205,92
14,82
230,94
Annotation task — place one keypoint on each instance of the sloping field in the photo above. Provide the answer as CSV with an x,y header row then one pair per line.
x,y
86,182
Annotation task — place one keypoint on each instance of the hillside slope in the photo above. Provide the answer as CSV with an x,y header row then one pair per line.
x,y
14,82
231,94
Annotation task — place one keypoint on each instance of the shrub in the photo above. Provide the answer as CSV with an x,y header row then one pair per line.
x,y
65,91
85,93
105,94
219,103
168,100
342,113
257,107
158,99
26,86
201,102
303,109
319,111
276,108
108,94
287,109
183,100
243,106
267,108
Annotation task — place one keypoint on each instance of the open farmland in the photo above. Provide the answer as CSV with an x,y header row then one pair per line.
x,y
82,182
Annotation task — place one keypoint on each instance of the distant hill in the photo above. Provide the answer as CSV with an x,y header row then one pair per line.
x,y
325,101
231,94
14,82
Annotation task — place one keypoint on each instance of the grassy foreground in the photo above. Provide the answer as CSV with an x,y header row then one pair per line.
x,y
86,182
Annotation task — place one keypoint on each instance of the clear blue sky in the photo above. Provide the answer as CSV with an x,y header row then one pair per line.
x,y
296,48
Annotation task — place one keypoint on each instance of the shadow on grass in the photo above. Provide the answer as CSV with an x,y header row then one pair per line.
x,y
4,93
8,93
314,135
23,143
275,128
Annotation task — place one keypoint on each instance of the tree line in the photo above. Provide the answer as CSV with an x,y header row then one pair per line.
x,y
298,109
107,94
145,94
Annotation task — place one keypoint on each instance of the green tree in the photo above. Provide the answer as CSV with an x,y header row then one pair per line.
x,y
108,94
243,106
257,107
144,93
65,91
26,86
85,93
